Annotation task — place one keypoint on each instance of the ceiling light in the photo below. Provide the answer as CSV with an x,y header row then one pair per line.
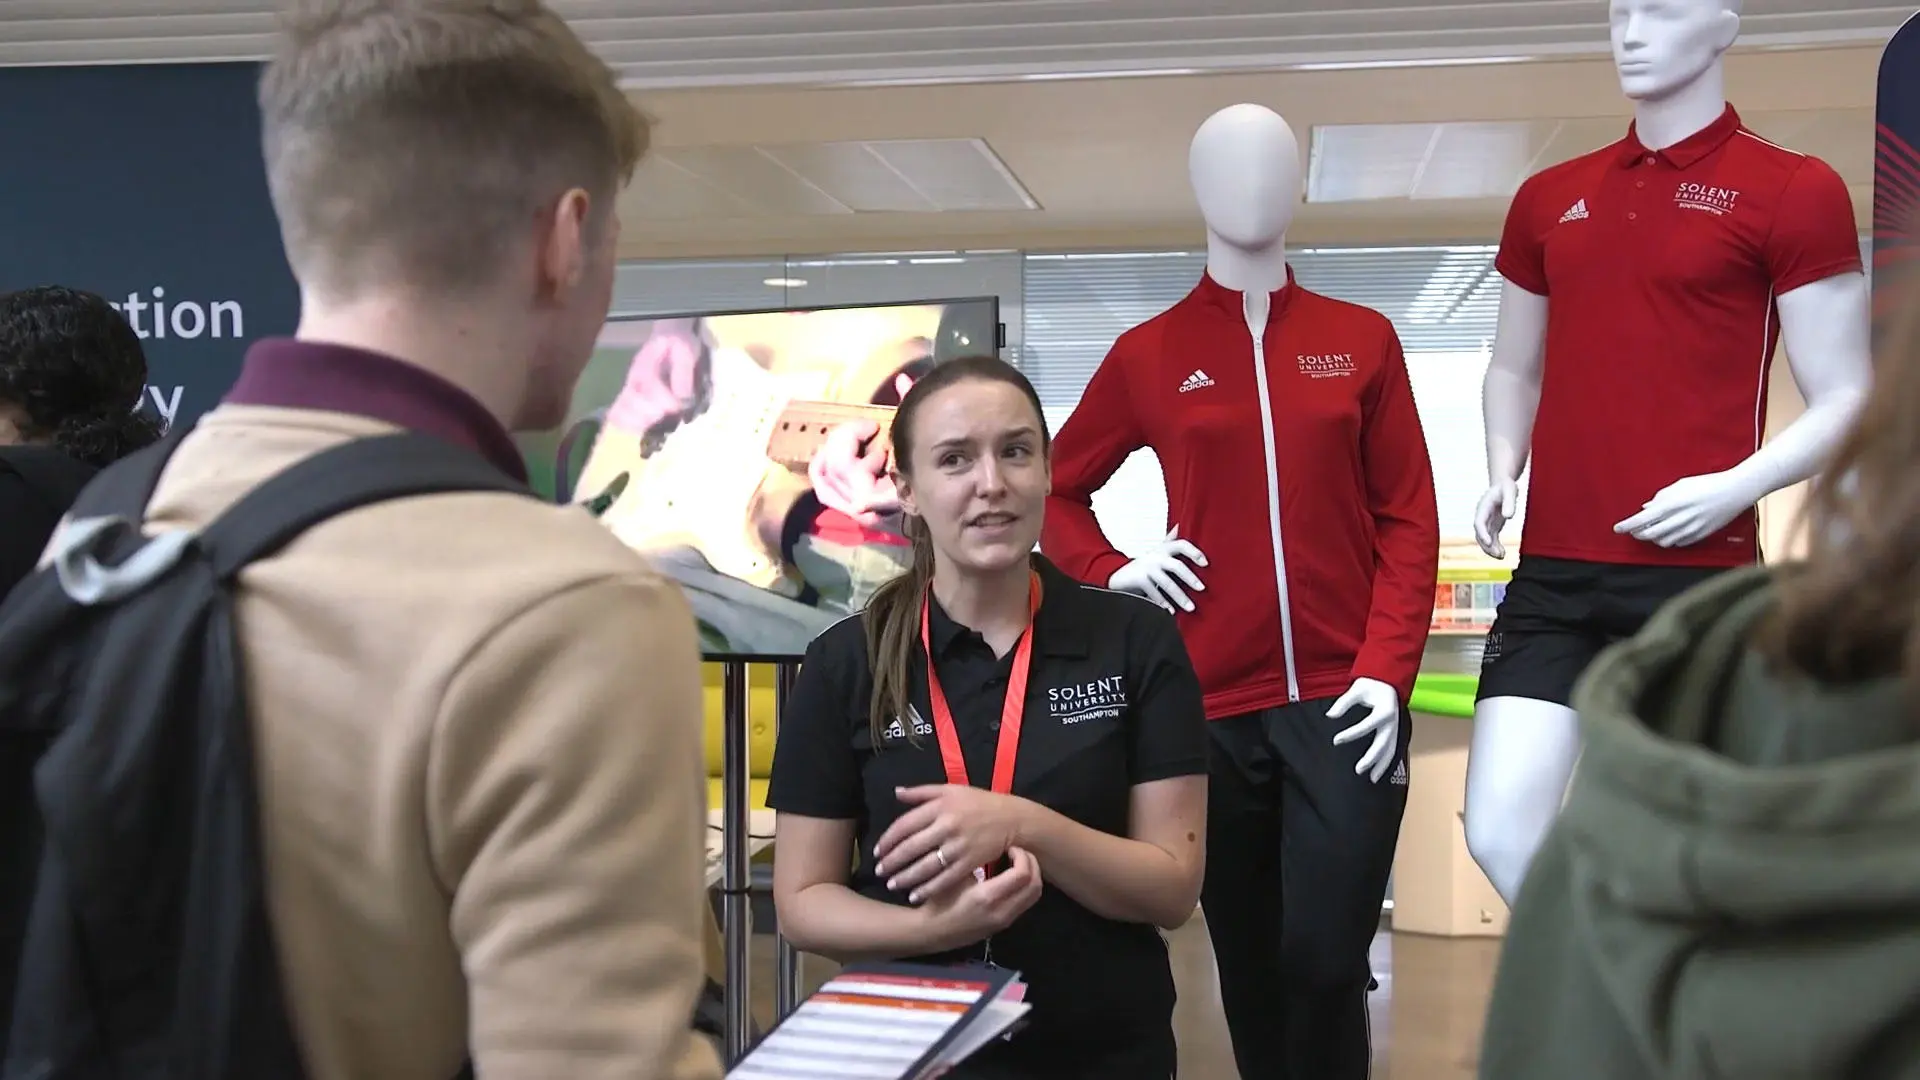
x,y
1141,73
1007,76
1437,61
802,263
785,283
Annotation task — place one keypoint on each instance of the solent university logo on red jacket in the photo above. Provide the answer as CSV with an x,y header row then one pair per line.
x,y
1326,365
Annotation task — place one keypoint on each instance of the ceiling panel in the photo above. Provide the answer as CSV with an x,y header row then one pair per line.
x,y
1430,154
914,176
1475,160
863,179
1459,160
663,43
1570,138
1483,160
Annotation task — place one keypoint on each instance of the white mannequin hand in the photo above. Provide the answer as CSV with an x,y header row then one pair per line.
x,y
1492,514
1152,574
1382,722
1689,510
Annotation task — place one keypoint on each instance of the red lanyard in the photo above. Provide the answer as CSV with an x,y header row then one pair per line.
x,y
1011,709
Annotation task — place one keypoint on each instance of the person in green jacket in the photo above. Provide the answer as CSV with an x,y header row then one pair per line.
x,y
1732,889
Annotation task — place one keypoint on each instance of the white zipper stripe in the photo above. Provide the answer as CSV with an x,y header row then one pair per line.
x,y
1760,387
1273,499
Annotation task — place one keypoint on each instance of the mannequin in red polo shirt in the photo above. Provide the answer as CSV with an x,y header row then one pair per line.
x,y
1298,482
1647,285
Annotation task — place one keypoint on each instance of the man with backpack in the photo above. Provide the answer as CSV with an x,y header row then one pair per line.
x,y
350,758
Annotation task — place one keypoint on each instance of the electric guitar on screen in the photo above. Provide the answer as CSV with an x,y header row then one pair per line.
x,y
720,482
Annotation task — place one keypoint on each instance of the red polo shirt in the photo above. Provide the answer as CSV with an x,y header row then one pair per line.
x,y
1661,268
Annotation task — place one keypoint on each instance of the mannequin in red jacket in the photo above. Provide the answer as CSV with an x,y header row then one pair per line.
x,y
1298,483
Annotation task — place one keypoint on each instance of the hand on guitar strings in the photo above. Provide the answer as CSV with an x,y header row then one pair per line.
x,y
851,472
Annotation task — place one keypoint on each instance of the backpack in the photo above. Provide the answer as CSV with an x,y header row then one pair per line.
x,y
134,934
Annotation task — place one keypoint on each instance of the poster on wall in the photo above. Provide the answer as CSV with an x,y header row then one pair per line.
x,y
746,455
144,184
1896,175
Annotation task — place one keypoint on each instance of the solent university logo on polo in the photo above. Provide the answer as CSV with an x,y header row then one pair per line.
x,y
1104,698
1706,198
157,317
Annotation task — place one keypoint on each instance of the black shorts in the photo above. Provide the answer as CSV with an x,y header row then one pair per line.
x,y
1559,613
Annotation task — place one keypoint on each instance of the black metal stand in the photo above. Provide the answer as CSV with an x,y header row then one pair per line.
x,y
786,959
736,871
735,902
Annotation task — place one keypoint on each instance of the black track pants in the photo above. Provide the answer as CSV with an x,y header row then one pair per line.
x,y
1299,849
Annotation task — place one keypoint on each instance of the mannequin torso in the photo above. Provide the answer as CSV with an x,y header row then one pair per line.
x,y
1714,244
1318,364
1285,427
1669,58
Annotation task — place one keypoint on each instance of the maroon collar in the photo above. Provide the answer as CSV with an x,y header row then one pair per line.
x,y
1687,151
1213,293
296,374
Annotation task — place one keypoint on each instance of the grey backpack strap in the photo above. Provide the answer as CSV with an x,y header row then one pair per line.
x,y
331,482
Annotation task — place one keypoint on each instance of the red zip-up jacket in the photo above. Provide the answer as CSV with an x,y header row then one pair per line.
x,y
1298,467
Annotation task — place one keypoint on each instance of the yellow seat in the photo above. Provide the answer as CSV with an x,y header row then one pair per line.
x,y
761,720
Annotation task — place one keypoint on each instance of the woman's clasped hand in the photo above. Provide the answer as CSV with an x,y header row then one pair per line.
x,y
952,831
981,907
937,852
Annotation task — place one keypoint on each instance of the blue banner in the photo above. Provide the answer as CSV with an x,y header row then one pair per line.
x,y
144,183
1896,174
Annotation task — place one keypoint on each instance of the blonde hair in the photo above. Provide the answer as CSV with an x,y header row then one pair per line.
x,y
414,140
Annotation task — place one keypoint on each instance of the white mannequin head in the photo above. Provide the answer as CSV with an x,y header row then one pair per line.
x,y
1245,167
1663,47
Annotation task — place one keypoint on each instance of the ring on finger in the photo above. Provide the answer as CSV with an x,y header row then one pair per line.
x,y
941,854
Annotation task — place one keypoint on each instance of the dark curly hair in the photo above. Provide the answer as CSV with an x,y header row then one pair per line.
x,y
74,370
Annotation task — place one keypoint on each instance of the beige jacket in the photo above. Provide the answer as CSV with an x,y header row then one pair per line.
x,y
479,742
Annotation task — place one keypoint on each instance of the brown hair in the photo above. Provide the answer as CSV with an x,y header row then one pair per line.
x,y
412,140
1848,612
892,616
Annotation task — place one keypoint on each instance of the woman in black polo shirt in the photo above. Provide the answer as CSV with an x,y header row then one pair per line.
x,y
1070,760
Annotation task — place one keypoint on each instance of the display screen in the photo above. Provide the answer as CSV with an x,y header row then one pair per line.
x,y
745,454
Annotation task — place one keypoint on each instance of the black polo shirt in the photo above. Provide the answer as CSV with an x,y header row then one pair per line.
x,y
1112,701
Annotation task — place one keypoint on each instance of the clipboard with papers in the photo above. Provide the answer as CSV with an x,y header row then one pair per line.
x,y
889,1022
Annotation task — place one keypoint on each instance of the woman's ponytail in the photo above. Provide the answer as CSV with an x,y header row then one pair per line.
x,y
893,632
